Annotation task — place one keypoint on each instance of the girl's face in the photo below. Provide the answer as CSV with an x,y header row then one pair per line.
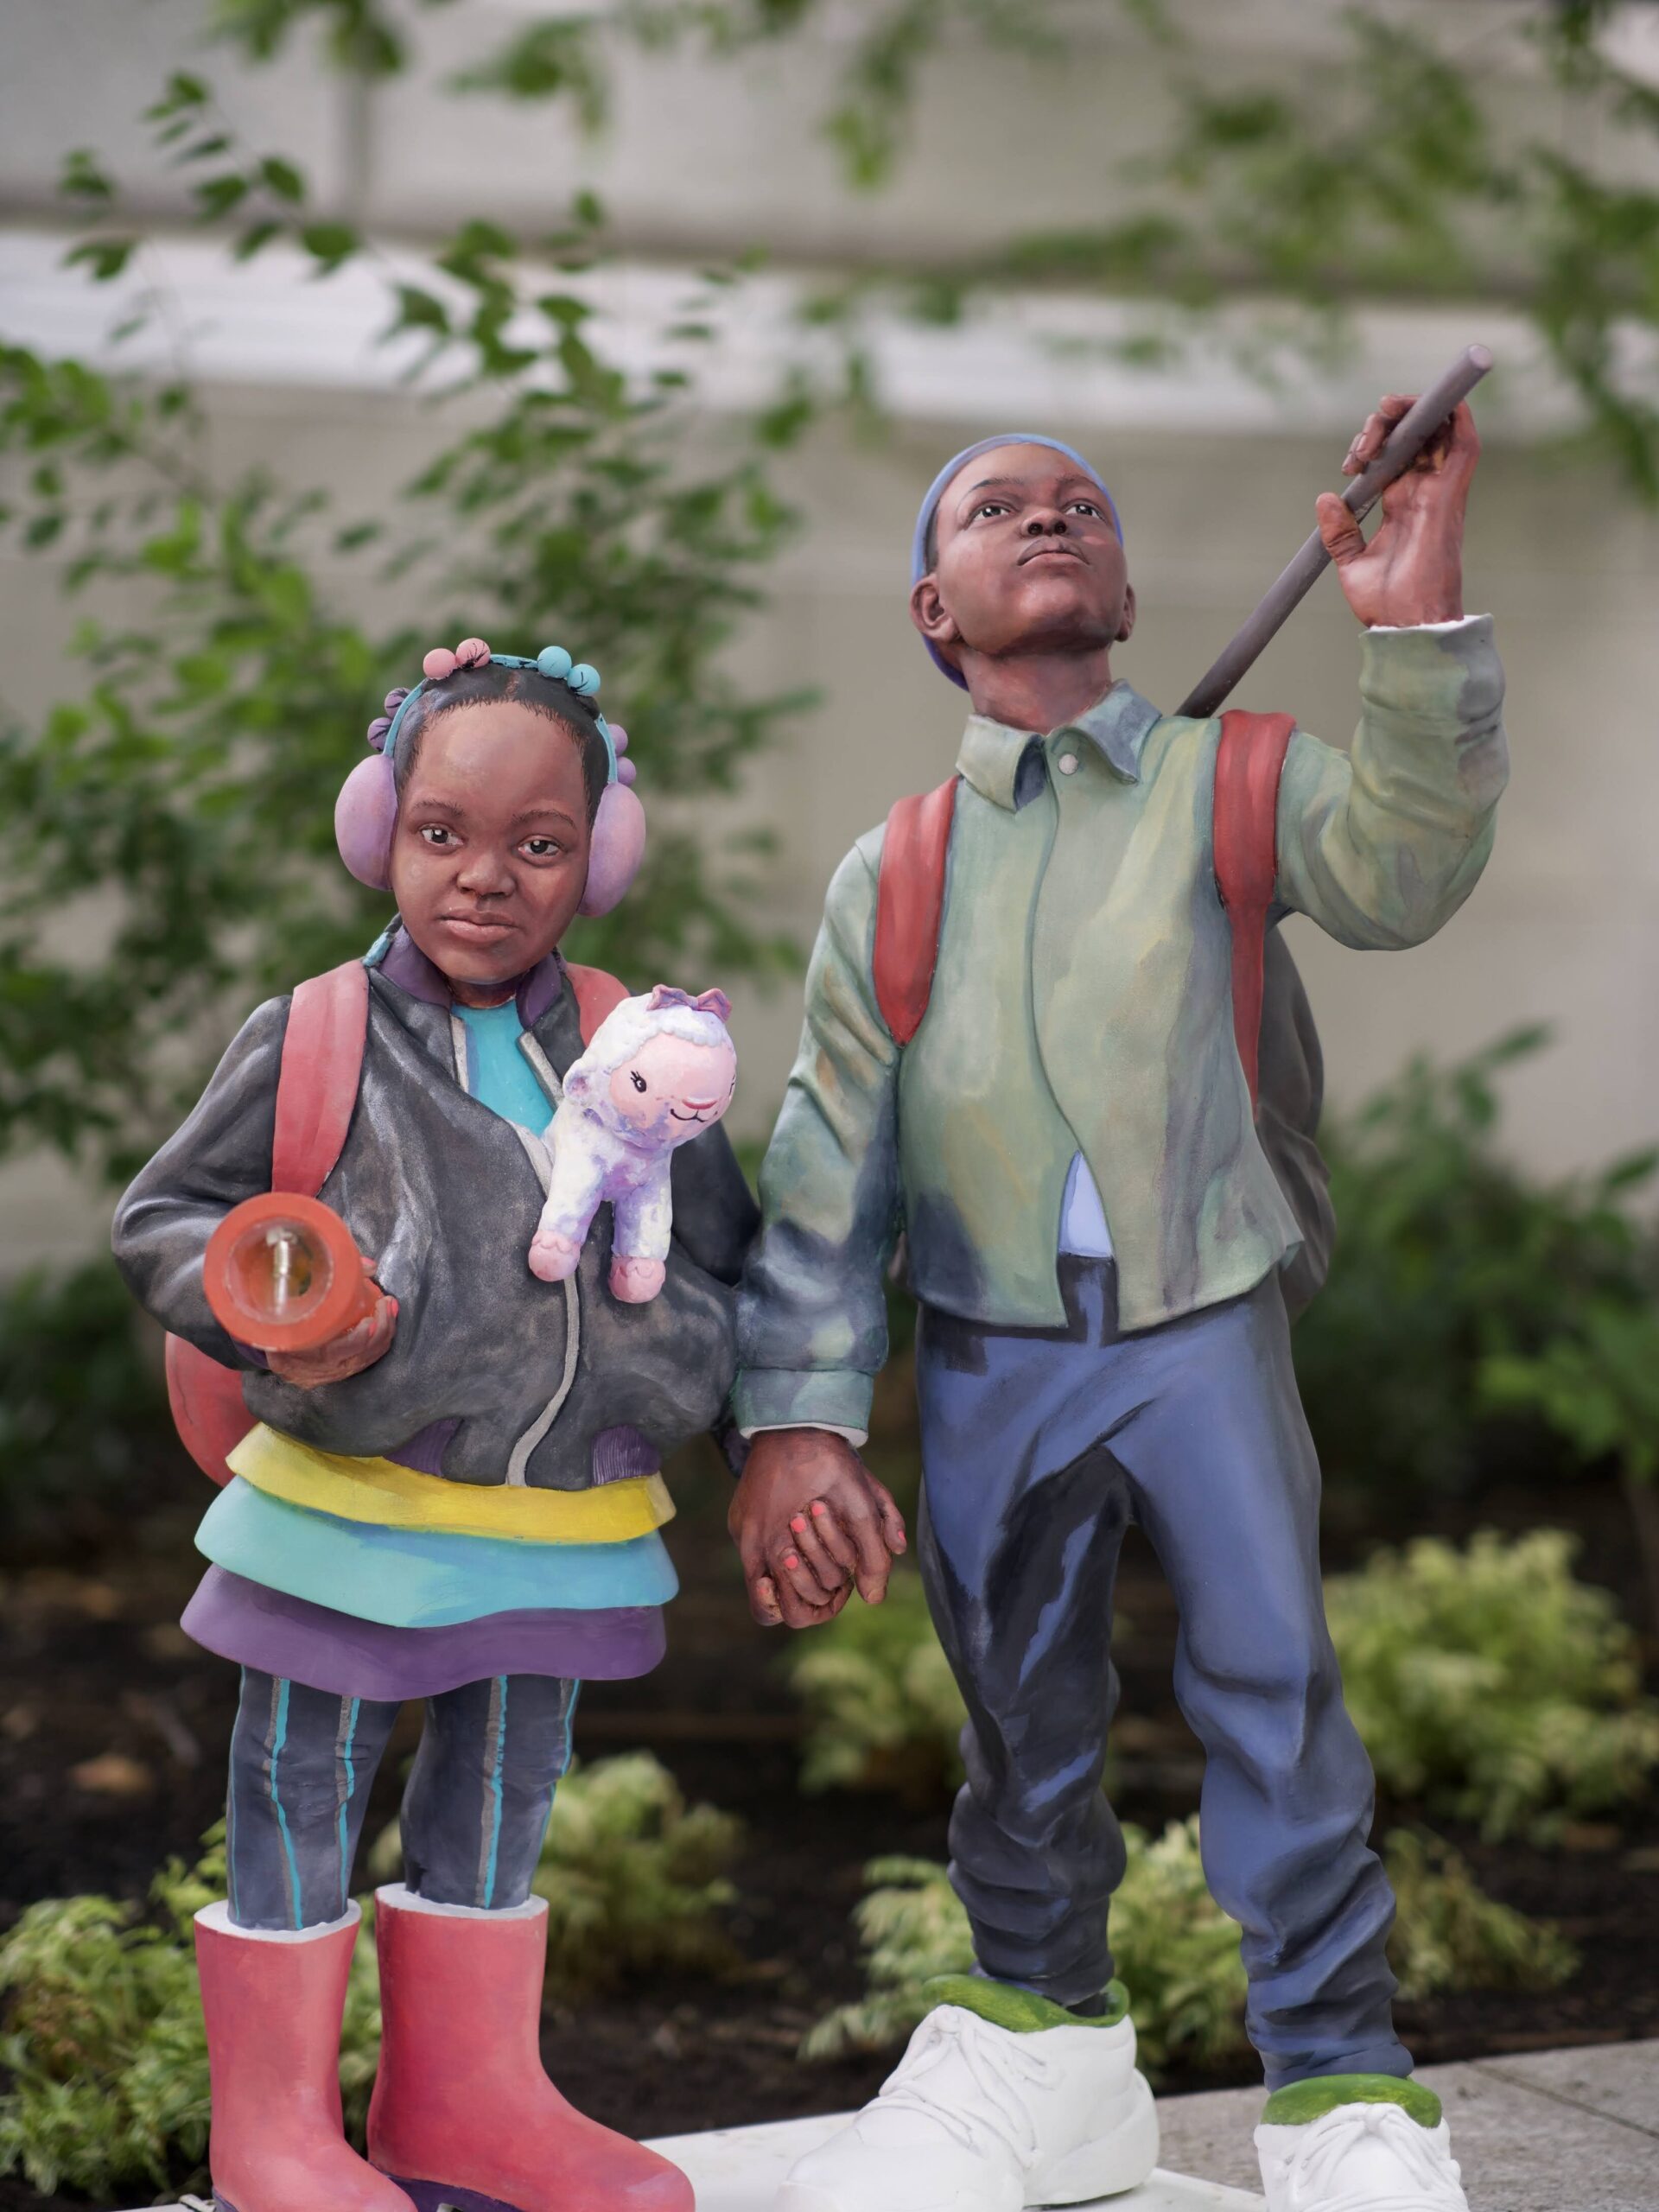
x,y
489,859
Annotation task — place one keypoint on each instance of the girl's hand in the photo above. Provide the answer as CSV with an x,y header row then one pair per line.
x,y
348,1354
811,1523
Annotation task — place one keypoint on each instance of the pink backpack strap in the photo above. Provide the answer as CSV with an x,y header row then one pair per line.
x,y
1248,764
910,907
322,1067
597,994
316,1090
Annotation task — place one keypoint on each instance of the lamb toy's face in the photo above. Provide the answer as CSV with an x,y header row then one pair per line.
x,y
670,1090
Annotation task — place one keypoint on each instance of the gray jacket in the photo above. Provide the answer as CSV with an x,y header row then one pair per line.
x,y
493,1376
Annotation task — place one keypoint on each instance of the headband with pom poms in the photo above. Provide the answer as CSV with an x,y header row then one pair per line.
x,y
365,813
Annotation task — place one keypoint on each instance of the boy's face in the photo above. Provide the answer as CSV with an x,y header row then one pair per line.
x,y
489,859
1028,560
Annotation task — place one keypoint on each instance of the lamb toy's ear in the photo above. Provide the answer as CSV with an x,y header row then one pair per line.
x,y
578,1083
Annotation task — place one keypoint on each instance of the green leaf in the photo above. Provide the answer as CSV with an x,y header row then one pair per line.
x,y
329,245
282,179
104,257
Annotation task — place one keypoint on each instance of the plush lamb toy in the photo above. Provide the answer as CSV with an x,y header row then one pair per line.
x,y
659,1071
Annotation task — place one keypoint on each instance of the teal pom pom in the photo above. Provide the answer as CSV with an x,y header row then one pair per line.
x,y
583,678
554,661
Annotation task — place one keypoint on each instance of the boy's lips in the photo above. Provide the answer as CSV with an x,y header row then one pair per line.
x,y
1038,552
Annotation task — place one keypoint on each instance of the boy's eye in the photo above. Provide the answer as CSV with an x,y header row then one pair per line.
x,y
637,1079
990,508
1086,507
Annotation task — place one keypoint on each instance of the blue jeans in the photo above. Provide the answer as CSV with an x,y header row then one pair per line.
x,y
474,1811
1038,1448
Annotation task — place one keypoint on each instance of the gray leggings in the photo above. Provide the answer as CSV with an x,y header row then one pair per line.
x,y
474,1811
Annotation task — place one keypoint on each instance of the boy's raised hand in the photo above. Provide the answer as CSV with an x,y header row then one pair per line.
x,y
347,1354
811,1524
1411,571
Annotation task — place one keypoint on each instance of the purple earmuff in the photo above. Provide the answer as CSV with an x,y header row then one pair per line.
x,y
365,813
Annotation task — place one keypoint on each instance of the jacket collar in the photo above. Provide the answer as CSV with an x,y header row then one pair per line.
x,y
1117,726
403,963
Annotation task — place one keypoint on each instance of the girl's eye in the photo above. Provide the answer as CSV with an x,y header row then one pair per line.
x,y
636,1079
542,849
436,834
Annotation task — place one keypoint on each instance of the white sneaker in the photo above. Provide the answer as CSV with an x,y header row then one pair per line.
x,y
976,2118
1360,2158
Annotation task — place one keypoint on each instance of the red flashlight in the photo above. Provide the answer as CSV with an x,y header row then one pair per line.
x,y
282,1274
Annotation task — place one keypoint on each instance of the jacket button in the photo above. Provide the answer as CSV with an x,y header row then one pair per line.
x,y
1067,764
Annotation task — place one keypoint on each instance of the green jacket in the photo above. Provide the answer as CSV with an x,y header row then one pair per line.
x,y
1082,1002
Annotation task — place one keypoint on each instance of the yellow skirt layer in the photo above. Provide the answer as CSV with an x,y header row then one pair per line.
x,y
390,1497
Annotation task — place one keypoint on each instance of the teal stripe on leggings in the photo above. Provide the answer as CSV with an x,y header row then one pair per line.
x,y
279,1737
495,1789
346,1802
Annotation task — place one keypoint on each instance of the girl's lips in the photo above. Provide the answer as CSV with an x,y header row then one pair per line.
x,y
467,926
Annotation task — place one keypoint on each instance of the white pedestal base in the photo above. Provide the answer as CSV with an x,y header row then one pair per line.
x,y
739,2168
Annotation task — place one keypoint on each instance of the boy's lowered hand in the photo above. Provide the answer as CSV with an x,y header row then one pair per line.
x,y
347,1354
811,1524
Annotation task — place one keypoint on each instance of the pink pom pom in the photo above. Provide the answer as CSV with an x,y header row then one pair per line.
x,y
395,698
618,738
365,814
626,773
439,663
619,847
379,731
472,652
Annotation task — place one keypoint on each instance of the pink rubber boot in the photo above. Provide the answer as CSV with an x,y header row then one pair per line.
x,y
463,2113
272,2002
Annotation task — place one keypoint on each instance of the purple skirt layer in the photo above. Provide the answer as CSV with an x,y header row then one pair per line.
x,y
302,1643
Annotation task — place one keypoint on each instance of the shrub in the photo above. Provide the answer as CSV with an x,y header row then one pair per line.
x,y
106,2047
634,1879
883,1709
1489,1685
1179,1952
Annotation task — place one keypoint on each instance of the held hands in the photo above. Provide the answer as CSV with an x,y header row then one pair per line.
x,y
1412,571
347,1354
811,1524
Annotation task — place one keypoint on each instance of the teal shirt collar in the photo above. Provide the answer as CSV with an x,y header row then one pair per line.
x,y
1117,726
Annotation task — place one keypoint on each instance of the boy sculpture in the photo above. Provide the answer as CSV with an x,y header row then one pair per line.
x,y
1097,1242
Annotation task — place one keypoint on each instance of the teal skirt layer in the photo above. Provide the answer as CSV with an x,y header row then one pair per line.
x,y
422,1577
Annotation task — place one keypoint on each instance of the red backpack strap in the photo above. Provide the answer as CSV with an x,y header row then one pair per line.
x,y
910,907
597,994
322,1067
1248,764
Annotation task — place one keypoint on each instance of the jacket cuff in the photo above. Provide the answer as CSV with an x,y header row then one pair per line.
x,y
781,1397
1447,675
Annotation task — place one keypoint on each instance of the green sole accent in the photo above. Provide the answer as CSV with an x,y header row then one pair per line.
x,y
1301,2101
1022,2011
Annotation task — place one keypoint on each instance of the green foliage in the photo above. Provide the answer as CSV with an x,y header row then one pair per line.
x,y
1454,1273
104,2044
81,1407
1178,1951
189,785
883,1709
635,1879
1487,1684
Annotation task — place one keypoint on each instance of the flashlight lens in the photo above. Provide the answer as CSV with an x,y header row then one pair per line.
x,y
279,1273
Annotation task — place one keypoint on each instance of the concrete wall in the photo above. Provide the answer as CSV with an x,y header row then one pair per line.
x,y
1216,493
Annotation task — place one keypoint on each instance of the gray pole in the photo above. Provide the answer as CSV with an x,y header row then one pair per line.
x,y
1410,435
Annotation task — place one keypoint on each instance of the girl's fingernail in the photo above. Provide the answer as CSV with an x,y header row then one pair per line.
x,y
820,1508
791,1562
798,1524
